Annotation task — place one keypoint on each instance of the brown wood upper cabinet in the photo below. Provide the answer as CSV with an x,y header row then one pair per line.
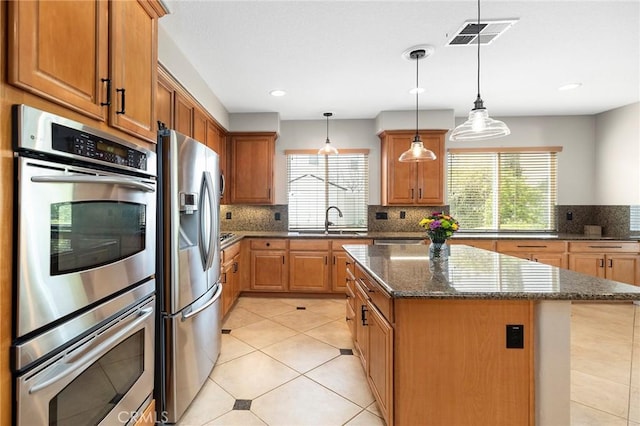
x,y
97,58
251,175
412,183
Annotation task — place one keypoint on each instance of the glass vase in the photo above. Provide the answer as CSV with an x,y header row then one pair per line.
x,y
438,250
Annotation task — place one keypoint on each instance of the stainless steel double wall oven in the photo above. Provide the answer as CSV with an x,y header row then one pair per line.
x,y
84,280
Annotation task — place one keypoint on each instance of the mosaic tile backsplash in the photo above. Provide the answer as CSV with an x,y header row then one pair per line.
x,y
614,220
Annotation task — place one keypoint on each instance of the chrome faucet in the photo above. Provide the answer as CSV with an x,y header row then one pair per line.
x,y
326,218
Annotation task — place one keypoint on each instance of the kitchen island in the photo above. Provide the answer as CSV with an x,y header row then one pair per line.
x,y
481,338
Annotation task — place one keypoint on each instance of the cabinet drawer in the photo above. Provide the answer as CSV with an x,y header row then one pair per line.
x,y
268,244
229,253
604,246
531,246
337,244
308,244
477,243
378,297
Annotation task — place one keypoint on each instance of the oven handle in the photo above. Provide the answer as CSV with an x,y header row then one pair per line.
x,y
108,180
211,301
79,361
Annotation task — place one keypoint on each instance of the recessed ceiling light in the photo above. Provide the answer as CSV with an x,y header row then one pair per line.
x,y
277,92
416,90
569,86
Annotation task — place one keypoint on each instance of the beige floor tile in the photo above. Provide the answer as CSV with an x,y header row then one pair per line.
x,y
232,348
330,308
335,333
634,405
240,317
251,375
582,415
302,320
263,306
301,352
345,376
237,418
635,360
607,361
373,408
303,402
600,394
305,302
212,401
263,333
365,418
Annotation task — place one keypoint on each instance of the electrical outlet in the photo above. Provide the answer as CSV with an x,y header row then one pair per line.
x,y
515,336
277,216
403,215
569,215
382,215
228,215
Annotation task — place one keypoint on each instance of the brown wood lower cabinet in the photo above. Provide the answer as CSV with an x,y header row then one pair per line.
x,y
442,362
268,259
230,276
552,253
340,261
614,260
309,265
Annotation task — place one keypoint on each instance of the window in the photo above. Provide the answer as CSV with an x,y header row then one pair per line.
x,y
503,189
316,182
634,218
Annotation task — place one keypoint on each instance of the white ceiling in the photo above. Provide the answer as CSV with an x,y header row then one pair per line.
x,y
346,56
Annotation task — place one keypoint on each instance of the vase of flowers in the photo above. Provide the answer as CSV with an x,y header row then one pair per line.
x,y
440,227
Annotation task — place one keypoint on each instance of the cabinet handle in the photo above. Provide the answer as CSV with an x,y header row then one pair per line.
x,y
531,246
534,259
610,263
348,319
269,193
283,260
224,278
602,263
363,314
420,193
235,267
122,100
334,260
412,193
108,81
606,247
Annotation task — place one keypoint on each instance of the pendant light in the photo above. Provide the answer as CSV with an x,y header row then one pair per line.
x,y
417,152
327,149
479,126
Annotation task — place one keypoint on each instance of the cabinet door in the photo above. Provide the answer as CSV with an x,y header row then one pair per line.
x,y
380,361
430,180
309,271
623,268
588,263
134,63
400,182
183,115
361,342
268,270
164,103
199,125
48,42
339,271
227,287
251,180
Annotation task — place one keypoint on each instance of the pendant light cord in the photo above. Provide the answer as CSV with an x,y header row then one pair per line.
x,y
327,128
417,92
478,43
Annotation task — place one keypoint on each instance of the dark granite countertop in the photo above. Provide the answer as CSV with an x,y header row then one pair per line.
x,y
405,271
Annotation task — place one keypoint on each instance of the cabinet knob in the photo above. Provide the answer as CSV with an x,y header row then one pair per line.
x,y
268,244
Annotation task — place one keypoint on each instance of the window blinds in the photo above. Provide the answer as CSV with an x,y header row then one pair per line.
x,y
316,182
512,190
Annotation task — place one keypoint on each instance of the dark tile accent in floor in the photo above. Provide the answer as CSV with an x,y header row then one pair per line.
x,y
226,331
242,404
301,308
346,352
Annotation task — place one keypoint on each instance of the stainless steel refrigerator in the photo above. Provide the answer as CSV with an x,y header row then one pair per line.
x,y
188,270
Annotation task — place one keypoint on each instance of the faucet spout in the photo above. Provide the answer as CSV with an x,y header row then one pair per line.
x,y
326,218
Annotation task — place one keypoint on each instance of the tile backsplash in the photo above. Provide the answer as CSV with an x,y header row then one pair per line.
x,y
614,220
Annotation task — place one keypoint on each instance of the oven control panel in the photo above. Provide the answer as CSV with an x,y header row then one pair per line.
x,y
91,146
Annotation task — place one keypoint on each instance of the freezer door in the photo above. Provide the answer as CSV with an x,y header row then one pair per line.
x,y
192,345
192,216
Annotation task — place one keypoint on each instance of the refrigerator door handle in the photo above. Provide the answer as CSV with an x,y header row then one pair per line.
x,y
207,252
211,301
223,183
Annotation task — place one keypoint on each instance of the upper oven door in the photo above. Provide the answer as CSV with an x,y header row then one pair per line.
x,y
83,235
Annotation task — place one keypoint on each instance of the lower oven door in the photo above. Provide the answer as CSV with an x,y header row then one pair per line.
x,y
104,379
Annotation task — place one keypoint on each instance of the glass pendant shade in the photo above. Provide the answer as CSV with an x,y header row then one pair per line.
x,y
417,152
479,126
328,149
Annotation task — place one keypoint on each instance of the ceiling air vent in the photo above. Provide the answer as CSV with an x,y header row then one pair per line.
x,y
489,31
